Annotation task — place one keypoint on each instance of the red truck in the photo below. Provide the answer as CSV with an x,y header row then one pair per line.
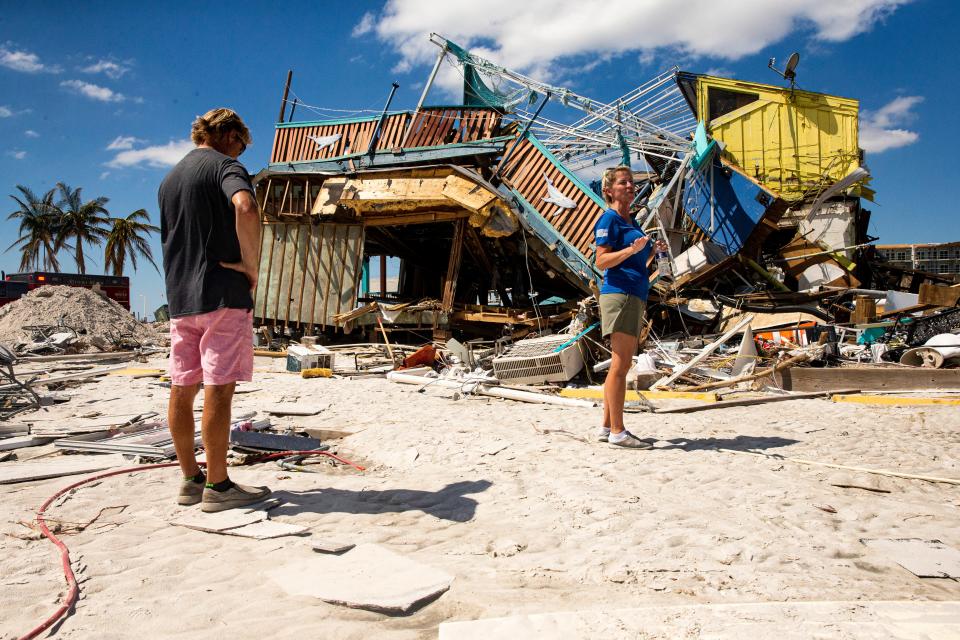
x,y
16,284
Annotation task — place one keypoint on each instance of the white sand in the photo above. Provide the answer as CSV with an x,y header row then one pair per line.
x,y
527,522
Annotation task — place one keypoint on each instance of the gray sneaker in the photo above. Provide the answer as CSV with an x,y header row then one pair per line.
x,y
602,434
190,493
627,440
236,496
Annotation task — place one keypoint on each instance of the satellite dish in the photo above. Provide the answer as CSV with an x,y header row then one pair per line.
x,y
790,71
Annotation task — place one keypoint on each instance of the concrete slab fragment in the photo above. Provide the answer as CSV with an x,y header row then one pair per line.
x,y
780,620
219,522
368,577
331,546
922,558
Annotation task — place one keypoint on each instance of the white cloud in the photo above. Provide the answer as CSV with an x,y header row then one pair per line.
x,y
157,156
121,143
537,33
109,68
882,129
720,72
5,112
93,91
17,155
23,61
104,175
365,25
30,133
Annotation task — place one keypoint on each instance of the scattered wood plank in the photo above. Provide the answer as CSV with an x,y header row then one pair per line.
x,y
746,402
780,366
72,376
882,378
20,442
706,351
597,394
57,467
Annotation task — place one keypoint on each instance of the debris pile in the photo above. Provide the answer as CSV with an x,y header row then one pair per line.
x,y
489,207
62,319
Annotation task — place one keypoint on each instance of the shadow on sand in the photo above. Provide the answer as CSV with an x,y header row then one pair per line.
x,y
449,503
740,443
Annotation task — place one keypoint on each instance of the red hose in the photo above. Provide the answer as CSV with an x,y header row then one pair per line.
x,y
64,552
74,591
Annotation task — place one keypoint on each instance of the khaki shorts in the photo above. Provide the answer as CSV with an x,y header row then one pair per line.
x,y
621,313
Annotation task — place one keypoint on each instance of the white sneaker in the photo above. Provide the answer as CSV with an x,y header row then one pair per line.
x,y
627,440
603,434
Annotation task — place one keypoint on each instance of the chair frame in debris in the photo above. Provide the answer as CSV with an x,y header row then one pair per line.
x,y
16,396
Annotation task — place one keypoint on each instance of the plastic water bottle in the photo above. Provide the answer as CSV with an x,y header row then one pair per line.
x,y
663,264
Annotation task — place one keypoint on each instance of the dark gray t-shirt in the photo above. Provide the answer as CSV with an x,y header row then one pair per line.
x,y
198,231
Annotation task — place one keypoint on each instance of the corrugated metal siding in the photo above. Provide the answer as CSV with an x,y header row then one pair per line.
x,y
431,127
788,144
525,174
308,273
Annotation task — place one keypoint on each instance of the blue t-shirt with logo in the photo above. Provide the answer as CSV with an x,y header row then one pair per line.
x,y
630,276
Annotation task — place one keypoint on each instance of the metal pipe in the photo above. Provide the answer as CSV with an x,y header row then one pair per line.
x,y
423,96
286,91
376,132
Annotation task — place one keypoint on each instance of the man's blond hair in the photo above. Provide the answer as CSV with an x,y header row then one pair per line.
x,y
216,124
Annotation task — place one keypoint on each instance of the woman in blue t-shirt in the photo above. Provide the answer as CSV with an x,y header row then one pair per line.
x,y
622,252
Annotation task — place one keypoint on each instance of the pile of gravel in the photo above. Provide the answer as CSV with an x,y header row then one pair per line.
x,y
100,322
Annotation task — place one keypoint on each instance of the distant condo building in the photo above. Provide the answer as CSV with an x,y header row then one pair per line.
x,y
943,258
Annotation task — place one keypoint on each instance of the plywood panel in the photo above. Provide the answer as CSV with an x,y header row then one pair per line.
x,y
307,273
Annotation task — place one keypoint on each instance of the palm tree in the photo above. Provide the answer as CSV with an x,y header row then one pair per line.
x,y
126,236
82,221
39,226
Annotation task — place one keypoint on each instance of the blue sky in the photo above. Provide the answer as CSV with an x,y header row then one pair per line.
x,y
103,98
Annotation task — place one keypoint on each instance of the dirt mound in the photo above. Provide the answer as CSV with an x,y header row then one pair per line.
x,y
101,323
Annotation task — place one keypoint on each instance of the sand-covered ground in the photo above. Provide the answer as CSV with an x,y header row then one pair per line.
x,y
515,500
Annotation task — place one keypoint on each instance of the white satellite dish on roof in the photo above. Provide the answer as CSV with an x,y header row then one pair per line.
x,y
790,71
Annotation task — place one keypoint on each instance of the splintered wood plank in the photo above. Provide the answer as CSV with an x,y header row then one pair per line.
x,y
273,149
317,250
453,265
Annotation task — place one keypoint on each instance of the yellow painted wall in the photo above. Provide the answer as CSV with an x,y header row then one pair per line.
x,y
793,145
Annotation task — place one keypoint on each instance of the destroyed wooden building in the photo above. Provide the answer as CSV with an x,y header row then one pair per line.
x,y
488,207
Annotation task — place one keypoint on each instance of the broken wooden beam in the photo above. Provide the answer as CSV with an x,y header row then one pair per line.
x,y
880,378
780,366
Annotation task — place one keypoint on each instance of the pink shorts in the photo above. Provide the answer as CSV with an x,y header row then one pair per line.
x,y
214,347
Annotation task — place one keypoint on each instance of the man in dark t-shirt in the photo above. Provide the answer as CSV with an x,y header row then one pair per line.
x,y
210,232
